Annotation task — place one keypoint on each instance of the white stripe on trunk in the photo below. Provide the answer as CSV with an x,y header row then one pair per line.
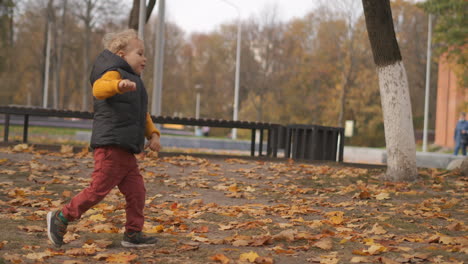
x,y
398,122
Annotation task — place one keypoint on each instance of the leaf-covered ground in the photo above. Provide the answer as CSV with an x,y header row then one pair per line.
x,y
218,210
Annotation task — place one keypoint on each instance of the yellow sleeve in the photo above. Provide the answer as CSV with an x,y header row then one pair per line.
x,y
150,127
107,85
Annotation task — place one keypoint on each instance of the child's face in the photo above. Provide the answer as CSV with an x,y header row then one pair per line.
x,y
134,55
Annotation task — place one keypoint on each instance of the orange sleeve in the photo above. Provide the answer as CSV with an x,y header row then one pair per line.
x,y
150,127
107,86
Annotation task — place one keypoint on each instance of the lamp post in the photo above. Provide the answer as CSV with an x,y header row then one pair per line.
x,y
428,80
237,74
158,61
141,20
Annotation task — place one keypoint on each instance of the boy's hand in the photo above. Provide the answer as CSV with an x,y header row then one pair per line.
x,y
126,85
154,144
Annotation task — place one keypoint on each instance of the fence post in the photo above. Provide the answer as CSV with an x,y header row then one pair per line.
x,y
252,144
25,128
6,129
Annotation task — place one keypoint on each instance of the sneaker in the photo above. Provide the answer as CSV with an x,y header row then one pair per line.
x,y
137,239
56,228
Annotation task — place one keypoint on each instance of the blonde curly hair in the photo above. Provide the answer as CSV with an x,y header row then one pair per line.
x,y
119,40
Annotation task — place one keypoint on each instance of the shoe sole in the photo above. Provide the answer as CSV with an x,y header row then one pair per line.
x,y
132,245
50,215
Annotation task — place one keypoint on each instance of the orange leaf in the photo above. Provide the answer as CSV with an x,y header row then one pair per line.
x,y
264,260
220,258
122,257
364,195
3,243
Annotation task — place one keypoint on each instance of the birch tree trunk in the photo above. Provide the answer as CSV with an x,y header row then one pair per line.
x,y
394,92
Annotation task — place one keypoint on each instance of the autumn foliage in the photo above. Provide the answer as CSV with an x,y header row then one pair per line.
x,y
212,210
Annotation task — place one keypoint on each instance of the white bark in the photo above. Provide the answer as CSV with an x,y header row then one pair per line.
x,y
399,133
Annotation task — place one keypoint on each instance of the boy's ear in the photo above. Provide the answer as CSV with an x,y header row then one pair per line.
x,y
120,53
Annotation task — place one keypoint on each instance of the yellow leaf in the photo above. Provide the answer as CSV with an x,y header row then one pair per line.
x,y
336,217
250,257
376,249
382,196
98,217
66,149
20,147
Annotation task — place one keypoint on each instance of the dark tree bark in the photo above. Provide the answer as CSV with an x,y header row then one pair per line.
x,y
134,13
381,32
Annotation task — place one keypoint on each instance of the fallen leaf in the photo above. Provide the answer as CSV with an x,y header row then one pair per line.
x,y
264,260
382,196
378,230
13,258
362,260
285,235
325,244
122,257
385,260
250,256
3,243
220,258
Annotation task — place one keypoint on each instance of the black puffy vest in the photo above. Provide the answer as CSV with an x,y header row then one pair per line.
x,y
119,120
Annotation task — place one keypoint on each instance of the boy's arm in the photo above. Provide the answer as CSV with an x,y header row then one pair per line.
x,y
107,85
150,127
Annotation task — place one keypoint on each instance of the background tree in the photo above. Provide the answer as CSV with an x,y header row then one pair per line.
x,y
450,32
7,8
394,92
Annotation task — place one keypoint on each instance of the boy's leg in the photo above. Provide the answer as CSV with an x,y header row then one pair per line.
x,y
133,187
106,175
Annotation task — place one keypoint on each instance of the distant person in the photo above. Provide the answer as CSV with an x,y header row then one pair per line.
x,y
206,131
121,123
461,135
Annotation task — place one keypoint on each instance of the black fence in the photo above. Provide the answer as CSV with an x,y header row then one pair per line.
x,y
270,129
313,142
309,142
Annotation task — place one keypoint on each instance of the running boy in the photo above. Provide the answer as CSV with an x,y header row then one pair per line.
x,y
121,122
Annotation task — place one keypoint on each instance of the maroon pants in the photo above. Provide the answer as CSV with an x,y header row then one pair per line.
x,y
113,166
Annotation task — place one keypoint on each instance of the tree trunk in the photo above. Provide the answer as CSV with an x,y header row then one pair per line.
x,y
134,13
394,92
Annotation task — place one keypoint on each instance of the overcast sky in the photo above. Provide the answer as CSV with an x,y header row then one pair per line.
x,y
206,15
